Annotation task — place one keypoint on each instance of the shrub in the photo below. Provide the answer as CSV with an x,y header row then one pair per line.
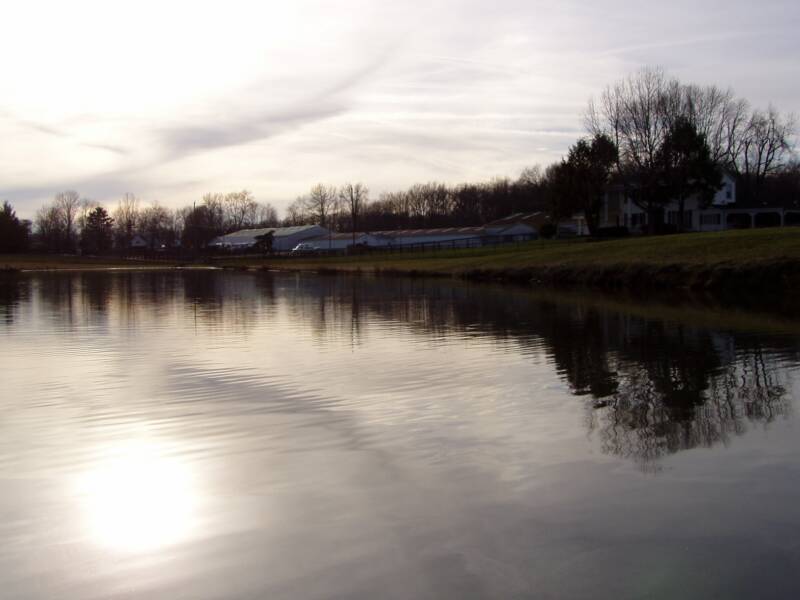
x,y
612,232
547,231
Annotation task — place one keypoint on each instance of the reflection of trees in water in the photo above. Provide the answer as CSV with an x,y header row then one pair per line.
x,y
133,298
233,301
656,387
681,387
653,386
14,290
335,306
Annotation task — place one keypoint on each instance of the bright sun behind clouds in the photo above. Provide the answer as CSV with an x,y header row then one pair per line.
x,y
172,99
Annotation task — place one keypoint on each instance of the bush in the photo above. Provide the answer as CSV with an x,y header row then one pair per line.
x,y
612,232
547,231
665,229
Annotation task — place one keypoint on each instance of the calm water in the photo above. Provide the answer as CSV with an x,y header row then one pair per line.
x,y
229,435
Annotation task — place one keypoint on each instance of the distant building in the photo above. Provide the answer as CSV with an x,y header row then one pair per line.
x,y
453,237
515,228
725,211
138,242
283,238
337,241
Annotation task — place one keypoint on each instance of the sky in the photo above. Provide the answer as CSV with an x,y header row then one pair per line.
x,y
170,100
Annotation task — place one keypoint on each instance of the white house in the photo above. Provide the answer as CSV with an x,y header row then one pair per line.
x,y
724,212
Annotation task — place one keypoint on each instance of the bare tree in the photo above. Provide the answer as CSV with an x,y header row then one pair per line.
x,y
533,175
637,113
266,215
215,216
321,202
180,217
69,203
354,198
49,227
156,223
126,219
767,143
240,210
296,212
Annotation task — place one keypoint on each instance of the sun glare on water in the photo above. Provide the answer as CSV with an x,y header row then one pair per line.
x,y
138,499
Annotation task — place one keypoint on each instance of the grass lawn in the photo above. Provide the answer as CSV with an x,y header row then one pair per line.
x,y
747,248
39,262
691,249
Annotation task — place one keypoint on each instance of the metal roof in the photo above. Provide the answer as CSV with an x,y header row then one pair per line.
x,y
431,232
247,236
534,218
339,235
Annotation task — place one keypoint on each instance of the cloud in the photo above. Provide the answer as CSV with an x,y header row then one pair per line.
x,y
107,147
277,96
183,140
245,126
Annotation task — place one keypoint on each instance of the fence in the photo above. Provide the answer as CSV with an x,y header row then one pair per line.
x,y
209,255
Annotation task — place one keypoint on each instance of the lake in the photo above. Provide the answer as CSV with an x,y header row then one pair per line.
x,y
210,434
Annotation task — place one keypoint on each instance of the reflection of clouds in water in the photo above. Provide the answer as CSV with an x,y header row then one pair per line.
x,y
358,434
655,386
138,498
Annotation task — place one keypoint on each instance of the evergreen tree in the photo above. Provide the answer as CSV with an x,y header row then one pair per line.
x,y
686,167
98,233
14,233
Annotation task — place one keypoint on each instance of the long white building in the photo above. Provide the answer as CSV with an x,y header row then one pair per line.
x,y
515,228
283,238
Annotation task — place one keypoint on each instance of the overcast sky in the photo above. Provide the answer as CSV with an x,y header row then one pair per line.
x,y
170,100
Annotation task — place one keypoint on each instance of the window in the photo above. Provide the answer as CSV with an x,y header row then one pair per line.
x,y
637,219
673,218
712,219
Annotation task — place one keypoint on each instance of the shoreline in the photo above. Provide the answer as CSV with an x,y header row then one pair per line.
x,y
744,261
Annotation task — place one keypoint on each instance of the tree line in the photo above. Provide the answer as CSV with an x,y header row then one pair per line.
x,y
673,140
70,223
656,139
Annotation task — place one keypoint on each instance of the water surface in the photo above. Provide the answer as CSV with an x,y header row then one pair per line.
x,y
233,435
